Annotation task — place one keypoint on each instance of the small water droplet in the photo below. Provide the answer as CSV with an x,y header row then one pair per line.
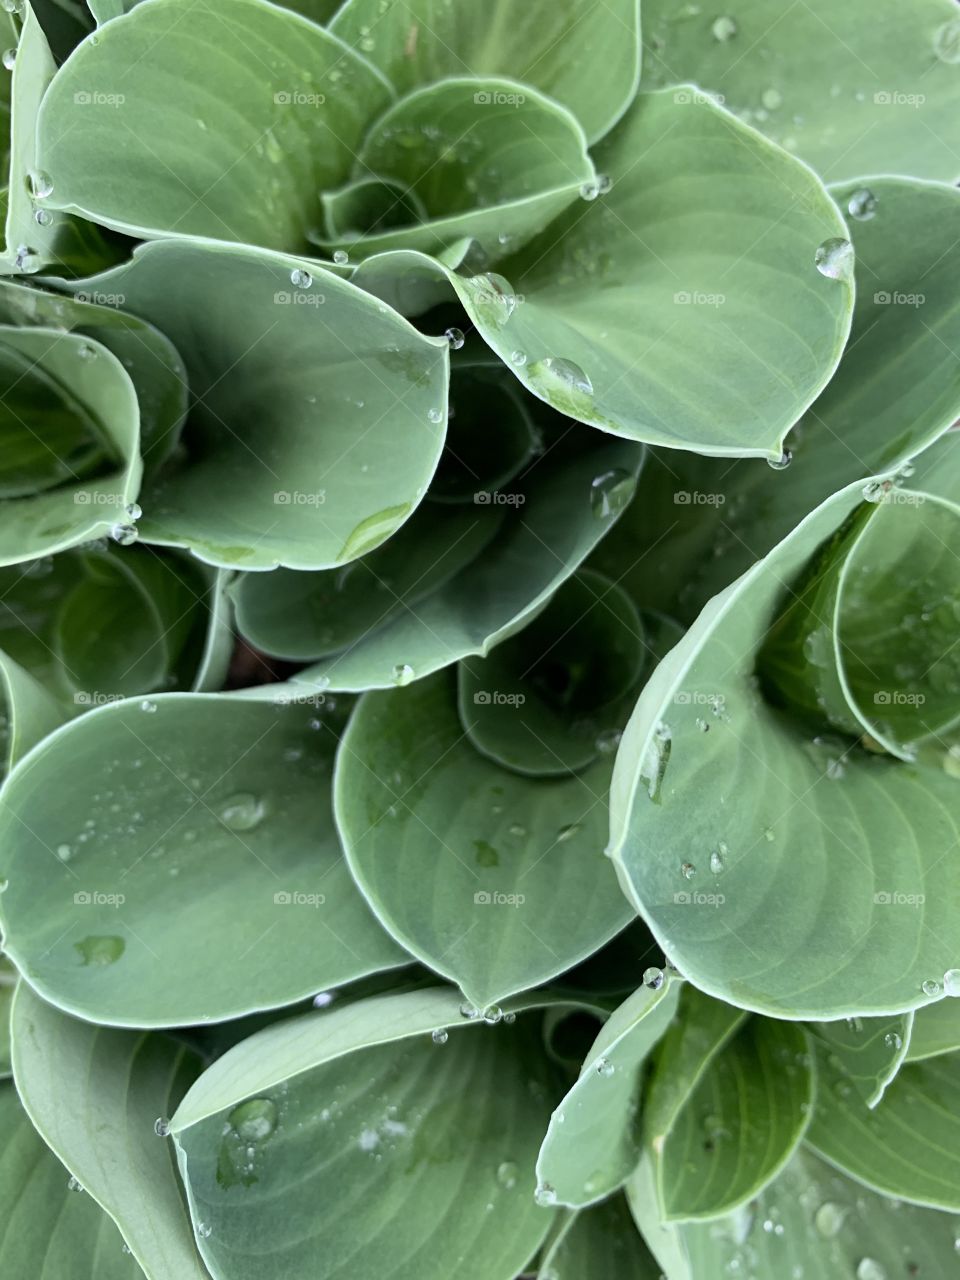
x,y
74,1184
41,184
97,951
892,1040
834,259
608,741
242,812
43,217
828,1219
605,1067
951,982
717,863
254,1121
653,978
868,1269
515,829
688,870
507,1174
611,492
161,1127
565,375
567,832
133,510
518,358
124,534
148,706
435,415
545,1195
341,257
9,58
440,1035
781,463
724,29
492,1014
300,278
772,99
469,1011
590,190
946,41
931,987
454,338
64,852
862,204
403,673
324,999
204,1230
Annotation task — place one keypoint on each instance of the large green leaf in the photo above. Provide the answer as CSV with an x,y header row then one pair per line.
x,y
832,861
601,1241
936,1030
527,541
867,86
487,158
684,307
593,1142
518,888
238,153
697,523
858,1057
88,405
358,1117
318,413
109,912
49,1231
95,1094
587,57
810,1222
907,1147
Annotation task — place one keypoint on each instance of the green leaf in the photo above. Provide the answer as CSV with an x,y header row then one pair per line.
x,y
8,982
27,712
518,886
593,1142
428,1132
820,1224
553,698
112,921
908,1146
368,206
659,312
528,540
864,87
601,1241
588,60
860,1056
318,416
48,1231
238,153
832,860
94,1095
893,394
85,389
492,159
936,1030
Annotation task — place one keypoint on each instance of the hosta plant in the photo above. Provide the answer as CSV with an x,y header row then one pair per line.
x,y
479,662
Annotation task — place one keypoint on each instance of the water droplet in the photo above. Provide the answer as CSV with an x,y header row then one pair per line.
x,y
43,217
509,1019
862,204
403,673
515,829
341,257
568,832
688,870
931,987
204,1230
161,1127
455,338
64,852
492,1014
946,41
545,1195
435,415
717,863
9,58
611,492
771,99
608,741
828,1219
518,358
724,29
99,951
605,1067
590,190
507,1174
40,183
834,259
242,812
951,982
27,260
469,1011
148,706
74,1184
124,534
892,1040
440,1035
653,978
870,1270
781,463
133,510
566,377
300,278
324,999
254,1121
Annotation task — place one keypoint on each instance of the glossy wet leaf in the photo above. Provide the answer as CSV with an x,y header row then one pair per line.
x,y
318,417
657,286
8,982
858,1057
108,908
587,58
27,712
593,1142
437,1129
936,1030
258,146
525,891
600,1240
864,87
95,1094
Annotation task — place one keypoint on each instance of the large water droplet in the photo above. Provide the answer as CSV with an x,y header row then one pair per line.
x,y
440,1035
828,1219
300,278
492,1014
563,376
256,1120
242,812
124,534
341,257
834,259
653,978
9,58
611,492
455,338
862,204
781,463
161,1127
